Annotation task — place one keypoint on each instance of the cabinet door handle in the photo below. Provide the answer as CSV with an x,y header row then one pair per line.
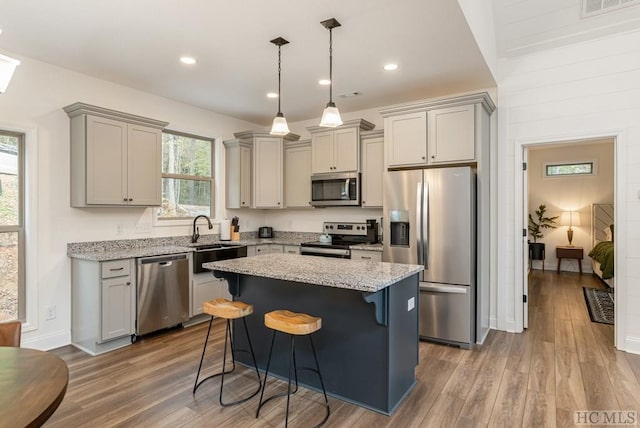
x,y
130,199
125,199
115,269
364,202
365,258
423,157
242,202
433,156
128,283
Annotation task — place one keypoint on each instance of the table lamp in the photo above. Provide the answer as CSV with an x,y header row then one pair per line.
x,y
570,218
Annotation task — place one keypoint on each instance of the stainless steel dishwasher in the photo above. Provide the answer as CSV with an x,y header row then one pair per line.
x,y
163,292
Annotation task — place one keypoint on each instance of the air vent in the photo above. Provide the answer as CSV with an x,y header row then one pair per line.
x,y
597,7
354,93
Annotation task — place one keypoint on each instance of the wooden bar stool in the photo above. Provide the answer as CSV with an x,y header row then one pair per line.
x,y
223,308
293,324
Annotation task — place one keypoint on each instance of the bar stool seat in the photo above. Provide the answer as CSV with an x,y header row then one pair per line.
x,y
293,324
229,310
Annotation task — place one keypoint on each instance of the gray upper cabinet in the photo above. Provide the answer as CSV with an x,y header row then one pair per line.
x,y
297,174
337,149
372,168
266,167
443,131
238,172
115,158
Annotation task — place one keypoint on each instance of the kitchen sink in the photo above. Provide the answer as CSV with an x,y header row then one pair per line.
x,y
206,253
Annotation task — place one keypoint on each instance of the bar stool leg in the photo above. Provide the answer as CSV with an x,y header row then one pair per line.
x,y
324,392
266,372
228,342
195,385
292,364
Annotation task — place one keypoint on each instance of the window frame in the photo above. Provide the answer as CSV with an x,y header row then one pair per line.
x,y
19,228
570,163
176,221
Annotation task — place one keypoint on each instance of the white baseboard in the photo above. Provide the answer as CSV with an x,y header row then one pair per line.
x,y
493,323
48,342
632,345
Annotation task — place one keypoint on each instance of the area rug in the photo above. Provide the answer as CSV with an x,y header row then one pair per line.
x,y
600,304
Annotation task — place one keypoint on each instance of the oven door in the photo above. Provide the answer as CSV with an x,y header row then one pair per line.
x,y
339,253
335,189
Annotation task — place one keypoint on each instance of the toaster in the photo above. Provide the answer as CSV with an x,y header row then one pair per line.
x,y
265,232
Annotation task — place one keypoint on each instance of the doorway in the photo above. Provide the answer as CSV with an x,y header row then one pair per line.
x,y
562,182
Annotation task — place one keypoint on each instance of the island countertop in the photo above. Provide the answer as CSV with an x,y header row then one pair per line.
x,y
358,275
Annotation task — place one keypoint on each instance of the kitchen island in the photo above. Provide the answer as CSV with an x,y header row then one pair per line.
x,y
368,344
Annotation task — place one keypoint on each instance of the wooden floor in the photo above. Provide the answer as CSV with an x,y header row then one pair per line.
x,y
562,363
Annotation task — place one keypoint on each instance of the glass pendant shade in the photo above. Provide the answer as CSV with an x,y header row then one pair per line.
x,y
7,67
331,116
279,126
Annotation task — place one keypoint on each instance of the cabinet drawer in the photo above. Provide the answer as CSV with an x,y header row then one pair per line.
x,y
292,249
116,268
375,256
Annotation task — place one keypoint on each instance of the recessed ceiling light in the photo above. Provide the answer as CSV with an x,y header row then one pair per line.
x,y
272,95
324,82
391,67
187,60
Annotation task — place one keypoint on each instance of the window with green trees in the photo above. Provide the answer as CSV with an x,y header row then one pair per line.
x,y
187,176
12,278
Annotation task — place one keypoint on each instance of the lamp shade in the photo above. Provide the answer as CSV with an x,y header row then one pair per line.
x,y
7,67
570,218
331,116
279,126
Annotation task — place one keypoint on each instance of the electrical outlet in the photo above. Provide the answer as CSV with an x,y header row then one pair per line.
x,y
51,312
411,303
142,227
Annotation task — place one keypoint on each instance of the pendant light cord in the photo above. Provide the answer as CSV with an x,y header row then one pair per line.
x,y
331,65
279,68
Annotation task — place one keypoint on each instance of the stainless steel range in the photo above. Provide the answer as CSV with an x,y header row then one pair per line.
x,y
338,237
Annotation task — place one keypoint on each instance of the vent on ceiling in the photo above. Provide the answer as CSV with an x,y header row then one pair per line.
x,y
354,93
597,7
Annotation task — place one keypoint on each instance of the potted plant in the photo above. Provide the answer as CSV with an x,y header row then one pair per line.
x,y
537,249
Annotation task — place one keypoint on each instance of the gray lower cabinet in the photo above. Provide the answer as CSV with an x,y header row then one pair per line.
x,y
268,249
205,287
103,300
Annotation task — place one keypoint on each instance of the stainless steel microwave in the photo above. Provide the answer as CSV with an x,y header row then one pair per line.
x,y
329,190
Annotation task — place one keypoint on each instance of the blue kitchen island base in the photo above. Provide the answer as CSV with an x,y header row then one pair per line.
x,y
367,346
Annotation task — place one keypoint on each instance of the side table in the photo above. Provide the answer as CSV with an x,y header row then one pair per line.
x,y
570,252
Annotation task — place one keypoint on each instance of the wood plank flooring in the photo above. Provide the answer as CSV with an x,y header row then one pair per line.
x,y
562,363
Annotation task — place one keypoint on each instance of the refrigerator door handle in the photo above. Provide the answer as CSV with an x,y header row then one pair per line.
x,y
425,224
448,289
419,243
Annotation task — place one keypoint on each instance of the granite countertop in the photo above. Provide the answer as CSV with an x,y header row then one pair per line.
x,y
326,271
134,248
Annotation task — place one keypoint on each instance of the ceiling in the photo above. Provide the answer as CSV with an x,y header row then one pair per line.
x,y
138,44
527,26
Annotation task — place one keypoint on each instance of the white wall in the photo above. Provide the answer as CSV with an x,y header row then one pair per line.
x,y
33,104
580,91
569,193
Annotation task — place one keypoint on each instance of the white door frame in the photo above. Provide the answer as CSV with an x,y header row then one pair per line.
x,y
620,204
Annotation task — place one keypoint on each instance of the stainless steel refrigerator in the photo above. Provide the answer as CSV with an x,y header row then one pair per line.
x,y
430,219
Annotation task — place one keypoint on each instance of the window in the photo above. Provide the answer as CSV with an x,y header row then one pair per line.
x,y
12,281
581,168
187,176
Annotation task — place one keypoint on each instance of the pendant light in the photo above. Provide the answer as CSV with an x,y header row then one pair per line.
x,y
330,115
279,126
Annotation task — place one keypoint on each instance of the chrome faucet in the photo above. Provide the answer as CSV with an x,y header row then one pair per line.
x,y
196,235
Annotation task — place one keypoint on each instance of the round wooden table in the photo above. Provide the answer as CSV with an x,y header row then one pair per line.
x,y
32,385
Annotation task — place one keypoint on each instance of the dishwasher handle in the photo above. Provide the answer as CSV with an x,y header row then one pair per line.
x,y
166,260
